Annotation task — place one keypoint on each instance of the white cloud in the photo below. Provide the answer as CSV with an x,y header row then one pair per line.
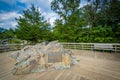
x,y
52,20
39,9
9,15
51,17
14,23
7,20
83,3
8,24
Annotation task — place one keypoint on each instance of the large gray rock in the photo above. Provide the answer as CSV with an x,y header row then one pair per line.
x,y
41,57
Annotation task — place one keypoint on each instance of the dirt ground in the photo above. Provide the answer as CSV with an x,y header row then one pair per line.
x,y
92,66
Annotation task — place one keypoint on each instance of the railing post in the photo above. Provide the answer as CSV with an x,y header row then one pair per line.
x,y
115,48
74,45
68,45
82,46
91,47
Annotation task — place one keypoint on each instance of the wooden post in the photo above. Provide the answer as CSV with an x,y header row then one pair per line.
x,y
115,48
82,46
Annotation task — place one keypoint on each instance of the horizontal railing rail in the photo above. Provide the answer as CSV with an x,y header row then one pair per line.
x,y
112,47
11,47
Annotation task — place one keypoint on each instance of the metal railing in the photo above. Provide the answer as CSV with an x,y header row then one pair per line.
x,y
112,47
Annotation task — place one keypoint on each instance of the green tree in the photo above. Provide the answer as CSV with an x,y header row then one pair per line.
x,y
58,30
6,33
70,22
64,8
106,13
90,15
32,26
98,21
2,30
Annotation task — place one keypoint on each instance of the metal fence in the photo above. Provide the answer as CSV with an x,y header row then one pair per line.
x,y
112,47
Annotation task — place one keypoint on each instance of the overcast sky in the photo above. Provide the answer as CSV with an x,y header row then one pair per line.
x,y
11,9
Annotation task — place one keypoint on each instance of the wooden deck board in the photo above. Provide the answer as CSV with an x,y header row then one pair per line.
x,y
89,68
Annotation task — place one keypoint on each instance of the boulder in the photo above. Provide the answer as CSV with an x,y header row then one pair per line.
x,y
41,57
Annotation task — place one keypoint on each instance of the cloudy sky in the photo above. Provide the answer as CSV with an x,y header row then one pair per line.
x,y
11,9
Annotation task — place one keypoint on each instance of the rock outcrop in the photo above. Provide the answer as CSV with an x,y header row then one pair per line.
x,y
42,57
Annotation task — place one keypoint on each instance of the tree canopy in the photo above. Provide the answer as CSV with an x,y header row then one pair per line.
x,y
32,26
97,21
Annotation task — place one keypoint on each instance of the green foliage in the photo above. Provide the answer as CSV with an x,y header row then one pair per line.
x,y
15,41
70,23
102,34
90,15
32,26
102,17
5,34
97,34
64,8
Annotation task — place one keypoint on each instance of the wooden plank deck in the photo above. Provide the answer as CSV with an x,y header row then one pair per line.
x,y
89,68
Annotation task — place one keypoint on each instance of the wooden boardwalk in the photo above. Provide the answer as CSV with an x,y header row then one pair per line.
x,y
89,68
